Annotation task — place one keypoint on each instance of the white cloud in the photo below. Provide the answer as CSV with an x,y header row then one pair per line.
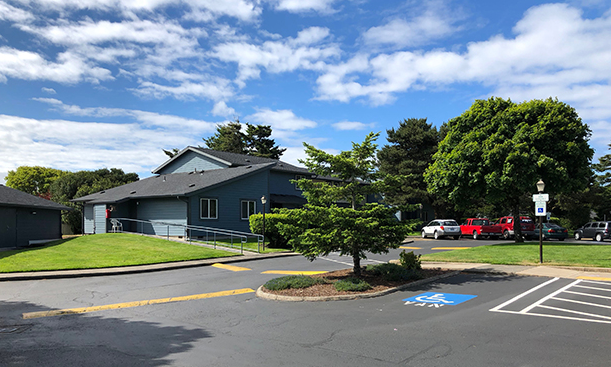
x,y
302,6
435,22
303,52
214,90
69,68
221,109
351,125
280,120
13,14
48,90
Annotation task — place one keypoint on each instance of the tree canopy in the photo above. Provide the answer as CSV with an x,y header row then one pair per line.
x,y
255,141
409,153
324,225
34,180
497,151
603,167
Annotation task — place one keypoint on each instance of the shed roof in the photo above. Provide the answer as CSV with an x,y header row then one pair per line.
x,y
12,197
170,185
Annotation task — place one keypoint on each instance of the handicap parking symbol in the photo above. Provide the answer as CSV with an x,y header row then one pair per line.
x,y
449,299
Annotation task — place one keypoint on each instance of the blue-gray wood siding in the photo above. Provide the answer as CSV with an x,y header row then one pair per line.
x,y
99,215
8,227
19,226
189,162
280,184
44,225
167,210
88,219
229,198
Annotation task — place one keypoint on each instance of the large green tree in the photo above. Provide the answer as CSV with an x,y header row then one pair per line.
x,y
603,167
498,150
324,225
255,141
76,184
34,180
408,155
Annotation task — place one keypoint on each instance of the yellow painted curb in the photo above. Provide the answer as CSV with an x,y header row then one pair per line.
x,y
411,248
450,248
594,278
69,311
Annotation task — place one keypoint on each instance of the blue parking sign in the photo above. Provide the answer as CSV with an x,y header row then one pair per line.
x,y
449,299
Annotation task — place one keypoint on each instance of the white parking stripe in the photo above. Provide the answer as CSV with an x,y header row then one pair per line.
x,y
497,308
594,288
575,312
539,302
581,302
588,295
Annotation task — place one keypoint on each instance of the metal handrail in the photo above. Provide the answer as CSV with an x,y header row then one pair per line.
x,y
243,236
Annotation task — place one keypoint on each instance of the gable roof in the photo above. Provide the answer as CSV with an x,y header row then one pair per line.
x,y
171,185
12,197
236,160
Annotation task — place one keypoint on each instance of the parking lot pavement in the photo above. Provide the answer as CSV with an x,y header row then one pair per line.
x,y
580,300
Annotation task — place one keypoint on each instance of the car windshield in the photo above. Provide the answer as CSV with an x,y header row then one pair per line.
x,y
450,223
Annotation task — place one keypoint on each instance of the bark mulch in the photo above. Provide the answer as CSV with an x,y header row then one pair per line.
x,y
377,283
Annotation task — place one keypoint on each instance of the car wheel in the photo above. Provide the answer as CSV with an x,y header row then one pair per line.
x,y
506,235
475,235
423,234
561,239
436,235
599,237
457,237
577,236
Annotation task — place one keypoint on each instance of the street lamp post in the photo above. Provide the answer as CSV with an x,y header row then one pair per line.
x,y
263,201
540,188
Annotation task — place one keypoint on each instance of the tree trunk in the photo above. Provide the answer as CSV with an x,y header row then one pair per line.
x,y
356,260
517,224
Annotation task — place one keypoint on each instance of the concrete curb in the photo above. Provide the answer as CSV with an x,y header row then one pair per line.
x,y
261,293
79,273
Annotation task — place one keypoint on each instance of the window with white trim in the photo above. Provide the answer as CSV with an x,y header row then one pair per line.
x,y
249,207
208,208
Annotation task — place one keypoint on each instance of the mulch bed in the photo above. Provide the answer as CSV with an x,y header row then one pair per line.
x,y
377,283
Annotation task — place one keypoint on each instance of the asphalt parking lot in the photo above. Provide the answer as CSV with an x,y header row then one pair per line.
x,y
464,320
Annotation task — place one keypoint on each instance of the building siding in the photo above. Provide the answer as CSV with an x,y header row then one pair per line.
x,y
44,225
170,210
280,183
99,215
8,227
189,162
88,219
229,198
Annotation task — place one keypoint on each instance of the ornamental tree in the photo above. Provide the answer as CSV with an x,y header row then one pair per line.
x,y
497,151
337,217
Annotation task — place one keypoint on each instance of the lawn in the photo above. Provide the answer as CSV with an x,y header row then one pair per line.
x,y
103,251
250,245
568,254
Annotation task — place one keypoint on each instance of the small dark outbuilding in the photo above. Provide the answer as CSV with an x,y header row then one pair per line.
x,y
26,219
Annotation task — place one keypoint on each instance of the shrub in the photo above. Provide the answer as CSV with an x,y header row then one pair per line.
x,y
410,261
276,240
292,281
393,272
352,285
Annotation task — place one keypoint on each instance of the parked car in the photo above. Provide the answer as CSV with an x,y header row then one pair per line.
x,y
527,225
596,230
478,227
441,228
553,231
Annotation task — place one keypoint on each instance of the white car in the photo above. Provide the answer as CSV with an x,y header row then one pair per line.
x,y
440,228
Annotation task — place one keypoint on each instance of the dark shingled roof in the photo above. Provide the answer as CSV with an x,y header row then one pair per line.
x,y
175,184
237,160
12,197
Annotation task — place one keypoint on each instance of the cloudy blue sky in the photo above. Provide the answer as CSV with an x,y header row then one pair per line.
x,y
87,84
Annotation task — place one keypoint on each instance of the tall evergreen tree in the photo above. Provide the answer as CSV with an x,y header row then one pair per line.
x,y
228,138
410,152
258,142
604,168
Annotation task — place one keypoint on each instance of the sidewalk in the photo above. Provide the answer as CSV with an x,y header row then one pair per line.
x,y
535,270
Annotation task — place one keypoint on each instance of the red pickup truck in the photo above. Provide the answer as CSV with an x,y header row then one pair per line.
x,y
478,227
527,224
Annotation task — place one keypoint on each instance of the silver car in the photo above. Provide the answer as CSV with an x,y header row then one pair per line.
x,y
441,228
